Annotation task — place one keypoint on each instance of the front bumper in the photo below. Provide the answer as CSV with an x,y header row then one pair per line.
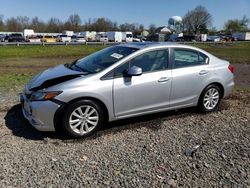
x,y
40,114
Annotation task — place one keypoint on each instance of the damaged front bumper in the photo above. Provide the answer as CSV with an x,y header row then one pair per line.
x,y
40,114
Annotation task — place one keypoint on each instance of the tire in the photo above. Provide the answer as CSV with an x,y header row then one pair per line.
x,y
82,118
210,98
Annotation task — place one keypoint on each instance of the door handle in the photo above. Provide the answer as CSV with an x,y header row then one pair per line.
x,y
163,79
203,72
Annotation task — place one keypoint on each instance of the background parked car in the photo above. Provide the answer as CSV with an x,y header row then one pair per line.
x,y
2,37
33,38
75,38
48,38
63,38
15,37
214,38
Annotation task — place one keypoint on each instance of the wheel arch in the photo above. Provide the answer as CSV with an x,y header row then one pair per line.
x,y
219,85
59,112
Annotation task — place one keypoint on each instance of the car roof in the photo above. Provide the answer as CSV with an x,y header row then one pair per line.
x,y
142,45
145,45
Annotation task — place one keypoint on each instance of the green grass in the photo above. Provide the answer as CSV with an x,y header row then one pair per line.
x,y
19,63
13,81
47,51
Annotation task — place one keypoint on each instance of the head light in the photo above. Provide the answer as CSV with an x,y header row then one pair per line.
x,y
40,96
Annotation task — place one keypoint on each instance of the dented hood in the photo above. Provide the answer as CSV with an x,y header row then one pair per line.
x,y
52,77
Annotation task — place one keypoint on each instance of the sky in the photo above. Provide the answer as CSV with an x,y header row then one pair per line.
x,y
145,12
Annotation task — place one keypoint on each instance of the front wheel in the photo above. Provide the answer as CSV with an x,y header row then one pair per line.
x,y
82,118
210,98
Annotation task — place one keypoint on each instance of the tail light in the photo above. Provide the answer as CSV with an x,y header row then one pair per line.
x,y
231,68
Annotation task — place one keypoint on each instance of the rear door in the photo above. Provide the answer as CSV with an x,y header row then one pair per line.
x,y
190,72
147,92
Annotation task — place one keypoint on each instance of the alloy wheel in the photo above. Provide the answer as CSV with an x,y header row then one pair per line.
x,y
83,119
211,98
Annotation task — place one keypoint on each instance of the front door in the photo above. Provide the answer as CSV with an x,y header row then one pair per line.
x,y
147,92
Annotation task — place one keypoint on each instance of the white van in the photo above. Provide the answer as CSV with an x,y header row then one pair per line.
x,y
102,37
127,36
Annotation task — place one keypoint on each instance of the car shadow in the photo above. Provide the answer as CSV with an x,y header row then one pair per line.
x,y
20,127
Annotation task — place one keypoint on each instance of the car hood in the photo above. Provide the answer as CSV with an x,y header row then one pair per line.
x,y
52,76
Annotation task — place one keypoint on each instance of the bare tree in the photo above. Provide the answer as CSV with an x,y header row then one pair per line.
x,y
152,28
74,22
37,25
1,23
54,25
12,25
197,20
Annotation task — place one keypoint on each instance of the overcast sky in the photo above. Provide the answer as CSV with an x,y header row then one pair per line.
x,y
121,11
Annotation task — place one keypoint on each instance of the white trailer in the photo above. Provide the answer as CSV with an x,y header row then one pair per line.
x,y
203,37
68,33
242,36
114,36
88,35
28,32
127,36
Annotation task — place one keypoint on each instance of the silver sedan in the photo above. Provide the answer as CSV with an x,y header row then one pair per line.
x,y
125,81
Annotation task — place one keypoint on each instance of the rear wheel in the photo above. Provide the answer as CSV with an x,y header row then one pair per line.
x,y
210,98
82,118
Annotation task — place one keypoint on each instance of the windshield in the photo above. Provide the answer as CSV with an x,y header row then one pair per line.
x,y
101,60
129,35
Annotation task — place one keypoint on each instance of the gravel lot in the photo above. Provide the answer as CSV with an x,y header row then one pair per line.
x,y
171,149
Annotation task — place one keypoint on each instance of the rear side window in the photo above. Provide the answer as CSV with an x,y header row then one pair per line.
x,y
186,58
203,59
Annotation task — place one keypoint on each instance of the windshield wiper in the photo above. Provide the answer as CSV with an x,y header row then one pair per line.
x,y
68,65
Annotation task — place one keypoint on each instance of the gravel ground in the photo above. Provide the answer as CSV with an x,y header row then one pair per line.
x,y
171,149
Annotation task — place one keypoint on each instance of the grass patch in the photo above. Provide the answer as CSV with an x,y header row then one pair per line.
x,y
13,81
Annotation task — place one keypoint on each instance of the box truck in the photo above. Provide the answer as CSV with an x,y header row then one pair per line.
x,y
114,36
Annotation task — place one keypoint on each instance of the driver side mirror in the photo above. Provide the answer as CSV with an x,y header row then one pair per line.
x,y
134,71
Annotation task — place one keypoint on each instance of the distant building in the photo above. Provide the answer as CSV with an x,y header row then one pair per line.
x,y
163,30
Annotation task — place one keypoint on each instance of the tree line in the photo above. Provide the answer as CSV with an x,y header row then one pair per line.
x,y
74,23
195,21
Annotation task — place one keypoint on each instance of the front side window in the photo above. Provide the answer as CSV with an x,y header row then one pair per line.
x,y
186,58
149,62
103,59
